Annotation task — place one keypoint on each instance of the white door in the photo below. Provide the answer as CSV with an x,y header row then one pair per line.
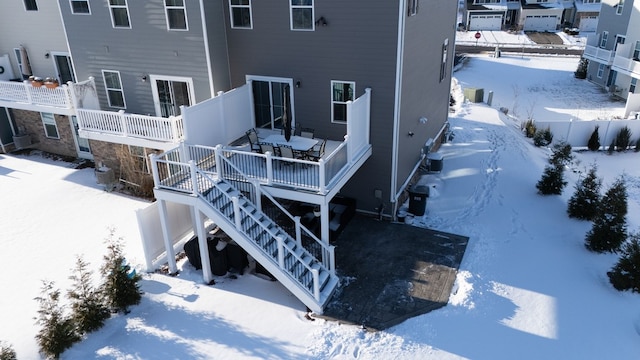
x,y
82,144
540,23
171,92
588,23
485,22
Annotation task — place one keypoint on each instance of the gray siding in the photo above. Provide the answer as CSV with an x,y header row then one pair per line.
x,y
350,48
146,48
217,40
39,31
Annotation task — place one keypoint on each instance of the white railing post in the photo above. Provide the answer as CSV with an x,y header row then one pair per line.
x,y
154,169
194,177
258,199
27,89
298,231
280,242
219,164
123,123
322,176
236,212
316,283
332,259
269,168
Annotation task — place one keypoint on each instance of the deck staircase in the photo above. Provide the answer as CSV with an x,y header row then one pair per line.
x,y
308,278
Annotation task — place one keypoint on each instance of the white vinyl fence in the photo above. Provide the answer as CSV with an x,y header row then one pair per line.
x,y
578,132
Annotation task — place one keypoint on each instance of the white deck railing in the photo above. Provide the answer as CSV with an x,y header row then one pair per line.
x,y
24,92
627,64
599,54
132,125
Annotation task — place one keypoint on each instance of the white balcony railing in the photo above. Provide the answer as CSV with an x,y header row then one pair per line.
x,y
25,93
152,128
627,65
599,55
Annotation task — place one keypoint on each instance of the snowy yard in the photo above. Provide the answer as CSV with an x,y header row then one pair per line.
x,y
527,287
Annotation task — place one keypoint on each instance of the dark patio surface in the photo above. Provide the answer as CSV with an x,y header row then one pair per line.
x,y
390,272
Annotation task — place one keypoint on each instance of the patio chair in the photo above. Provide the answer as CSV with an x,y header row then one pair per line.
x,y
317,151
252,135
286,151
307,132
264,147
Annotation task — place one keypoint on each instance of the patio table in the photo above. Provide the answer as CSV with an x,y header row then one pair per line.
x,y
298,143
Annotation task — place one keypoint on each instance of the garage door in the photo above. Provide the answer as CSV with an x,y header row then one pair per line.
x,y
540,23
485,22
588,23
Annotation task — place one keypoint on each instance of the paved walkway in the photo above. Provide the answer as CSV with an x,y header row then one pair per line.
x,y
391,272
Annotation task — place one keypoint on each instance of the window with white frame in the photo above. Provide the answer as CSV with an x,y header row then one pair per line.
x,y
443,65
591,1
141,156
30,5
633,85
119,14
636,51
50,127
620,7
412,7
600,71
80,7
176,14
341,92
113,86
603,39
620,39
240,13
18,55
301,14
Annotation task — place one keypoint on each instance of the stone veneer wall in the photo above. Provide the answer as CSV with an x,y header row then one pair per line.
x,y
31,123
105,153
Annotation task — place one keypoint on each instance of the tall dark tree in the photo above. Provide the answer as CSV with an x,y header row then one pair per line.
x,y
625,274
120,286
87,305
57,331
609,228
623,139
584,202
594,140
581,71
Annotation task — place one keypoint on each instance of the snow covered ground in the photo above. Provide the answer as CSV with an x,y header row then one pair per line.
x,y
527,287
516,39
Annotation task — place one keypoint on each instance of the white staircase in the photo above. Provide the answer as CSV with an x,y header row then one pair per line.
x,y
287,260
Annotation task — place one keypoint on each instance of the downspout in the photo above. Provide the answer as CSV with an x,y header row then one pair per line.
x,y
207,53
396,111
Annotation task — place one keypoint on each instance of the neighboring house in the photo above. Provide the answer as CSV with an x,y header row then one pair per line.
x,y
614,53
530,15
33,43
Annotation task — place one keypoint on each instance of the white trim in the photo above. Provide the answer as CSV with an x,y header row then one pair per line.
x,y
207,53
44,125
79,13
398,96
231,8
176,7
600,72
76,141
313,15
66,39
107,89
353,97
250,78
154,89
113,20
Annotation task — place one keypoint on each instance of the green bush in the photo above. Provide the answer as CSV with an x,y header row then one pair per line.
x,y
609,229
87,305
637,148
584,202
552,181
625,274
120,286
7,352
57,331
542,137
594,140
581,71
623,139
529,128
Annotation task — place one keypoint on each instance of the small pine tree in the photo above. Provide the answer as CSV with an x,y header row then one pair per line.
x,y
562,155
120,286
594,140
612,147
625,274
623,139
88,309
552,181
529,128
7,352
637,148
584,202
609,228
581,71
57,332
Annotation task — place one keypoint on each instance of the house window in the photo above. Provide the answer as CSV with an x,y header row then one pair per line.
x,y
140,155
240,12
632,86
603,39
636,51
620,7
50,127
30,5
600,71
412,7
176,14
341,92
301,14
443,65
19,60
619,40
119,14
113,85
80,7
